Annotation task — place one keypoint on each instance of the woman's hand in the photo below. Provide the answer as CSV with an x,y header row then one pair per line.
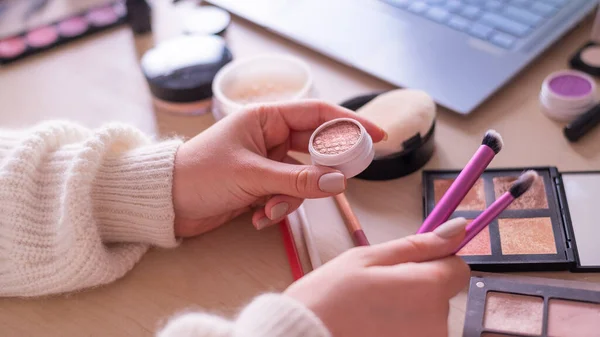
x,y
242,162
399,288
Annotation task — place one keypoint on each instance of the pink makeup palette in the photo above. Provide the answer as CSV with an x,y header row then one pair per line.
x,y
19,46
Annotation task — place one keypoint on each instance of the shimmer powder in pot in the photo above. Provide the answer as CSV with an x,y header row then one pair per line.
x,y
567,94
343,144
570,85
337,138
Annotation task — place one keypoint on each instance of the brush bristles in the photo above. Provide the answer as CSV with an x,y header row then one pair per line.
x,y
493,140
523,184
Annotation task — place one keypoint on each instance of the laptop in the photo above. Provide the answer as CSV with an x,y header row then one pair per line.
x,y
459,51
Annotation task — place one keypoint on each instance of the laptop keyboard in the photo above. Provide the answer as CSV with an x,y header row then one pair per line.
x,y
501,22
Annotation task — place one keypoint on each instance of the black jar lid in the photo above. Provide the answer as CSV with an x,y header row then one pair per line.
x,y
183,69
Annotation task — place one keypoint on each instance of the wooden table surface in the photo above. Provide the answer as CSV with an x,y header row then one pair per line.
x,y
98,80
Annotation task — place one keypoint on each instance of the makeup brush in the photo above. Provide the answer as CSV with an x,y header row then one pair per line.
x,y
351,221
490,146
518,188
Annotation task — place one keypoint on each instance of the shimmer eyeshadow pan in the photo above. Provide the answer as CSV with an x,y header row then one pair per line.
x,y
551,227
525,306
473,201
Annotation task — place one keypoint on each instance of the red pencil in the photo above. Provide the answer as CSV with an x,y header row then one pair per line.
x,y
291,250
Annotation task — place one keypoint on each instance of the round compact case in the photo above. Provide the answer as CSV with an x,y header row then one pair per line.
x,y
408,116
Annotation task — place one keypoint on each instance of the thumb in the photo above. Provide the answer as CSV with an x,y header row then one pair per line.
x,y
302,181
440,243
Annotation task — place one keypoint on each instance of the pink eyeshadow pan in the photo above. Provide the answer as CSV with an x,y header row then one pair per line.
x,y
73,27
103,16
514,313
12,47
42,37
570,318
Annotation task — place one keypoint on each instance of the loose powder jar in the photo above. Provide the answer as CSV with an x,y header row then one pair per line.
x,y
343,144
266,78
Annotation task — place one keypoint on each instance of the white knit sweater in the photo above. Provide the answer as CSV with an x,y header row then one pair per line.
x,y
78,208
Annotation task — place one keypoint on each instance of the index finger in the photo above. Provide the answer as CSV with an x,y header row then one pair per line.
x,y
307,115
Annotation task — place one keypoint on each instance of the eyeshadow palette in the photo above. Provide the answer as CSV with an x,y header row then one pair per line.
x,y
47,36
551,227
515,307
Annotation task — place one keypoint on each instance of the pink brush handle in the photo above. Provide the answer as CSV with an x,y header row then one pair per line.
x,y
457,191
359,238
484,219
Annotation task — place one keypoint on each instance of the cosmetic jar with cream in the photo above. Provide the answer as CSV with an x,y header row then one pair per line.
x,y
180,73
260,79
342,144
567,94
408,117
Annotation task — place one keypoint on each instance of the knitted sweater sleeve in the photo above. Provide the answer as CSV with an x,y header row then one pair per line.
x,y
78,208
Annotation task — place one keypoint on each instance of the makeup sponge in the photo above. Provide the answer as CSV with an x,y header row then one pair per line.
x,y
402,113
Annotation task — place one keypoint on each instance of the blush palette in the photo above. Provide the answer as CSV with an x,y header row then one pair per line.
x,y
47,36
520,306
550,227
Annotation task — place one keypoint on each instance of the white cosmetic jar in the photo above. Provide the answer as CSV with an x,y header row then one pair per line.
x,y
350,161
260,79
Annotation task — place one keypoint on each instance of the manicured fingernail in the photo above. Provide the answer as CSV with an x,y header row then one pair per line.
x,y
332,183
279,210
262,223
385,136
451,228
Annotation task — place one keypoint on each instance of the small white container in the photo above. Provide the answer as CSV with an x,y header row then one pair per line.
x,y
260,79
350,162
567,94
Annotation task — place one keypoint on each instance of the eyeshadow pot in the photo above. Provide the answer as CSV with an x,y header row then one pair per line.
x,y
343,144
567,94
